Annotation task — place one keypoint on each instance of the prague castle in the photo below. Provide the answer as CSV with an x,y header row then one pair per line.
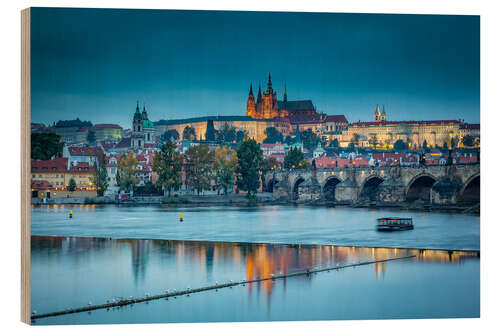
x,y
263,112
266,110
268,106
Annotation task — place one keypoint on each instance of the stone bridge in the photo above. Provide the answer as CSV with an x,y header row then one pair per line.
x,y
439,184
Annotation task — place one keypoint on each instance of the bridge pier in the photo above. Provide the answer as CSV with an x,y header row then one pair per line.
x,y
347,192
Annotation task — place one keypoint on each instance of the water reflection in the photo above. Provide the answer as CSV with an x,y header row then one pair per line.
x,y
71,271
258,260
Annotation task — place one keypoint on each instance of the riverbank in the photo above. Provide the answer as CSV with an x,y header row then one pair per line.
x,y
260,199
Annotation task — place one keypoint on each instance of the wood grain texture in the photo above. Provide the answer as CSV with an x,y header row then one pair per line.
x,y
25,164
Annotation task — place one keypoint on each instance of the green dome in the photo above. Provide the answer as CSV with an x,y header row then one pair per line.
x,y
148,124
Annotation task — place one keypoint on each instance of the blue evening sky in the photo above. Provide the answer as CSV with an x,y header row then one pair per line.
x,y
95,63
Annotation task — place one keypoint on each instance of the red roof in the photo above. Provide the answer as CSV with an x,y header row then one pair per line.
x,y
56,165
339,118
41,185
81,167
85,151
108,158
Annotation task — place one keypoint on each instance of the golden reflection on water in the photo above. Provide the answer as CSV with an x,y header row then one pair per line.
x,y
62,207
257,260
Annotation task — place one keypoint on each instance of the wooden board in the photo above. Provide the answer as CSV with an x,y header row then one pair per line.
x,y
25,164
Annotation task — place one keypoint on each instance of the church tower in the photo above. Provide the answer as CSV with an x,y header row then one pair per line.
x,y
377,115
269,105
283,111
383,116
258,107
137,129
143,130
251,103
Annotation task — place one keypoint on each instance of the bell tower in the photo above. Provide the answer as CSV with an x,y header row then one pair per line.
x,y
251,103
377,115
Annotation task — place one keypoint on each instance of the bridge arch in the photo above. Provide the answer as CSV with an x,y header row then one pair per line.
x,y
470,193
329,188
419,188
271,184
295,193
369,188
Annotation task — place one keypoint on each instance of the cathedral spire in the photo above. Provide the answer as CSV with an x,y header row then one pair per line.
x,y
251,91
259,96
284,95
137,107
297,134
269,84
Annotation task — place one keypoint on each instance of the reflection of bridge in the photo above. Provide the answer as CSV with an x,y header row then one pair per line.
x,y
438,184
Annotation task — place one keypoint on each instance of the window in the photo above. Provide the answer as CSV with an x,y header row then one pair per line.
x,y
33,176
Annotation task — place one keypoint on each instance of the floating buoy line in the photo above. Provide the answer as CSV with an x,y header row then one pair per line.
x,y
115,302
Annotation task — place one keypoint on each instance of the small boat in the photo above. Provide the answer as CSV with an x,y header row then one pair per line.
x,y
394,223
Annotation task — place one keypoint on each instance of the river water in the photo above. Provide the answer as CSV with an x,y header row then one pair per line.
x,y
107,252
264,224
72,271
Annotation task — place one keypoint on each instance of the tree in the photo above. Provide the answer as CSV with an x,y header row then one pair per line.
x,y
168,166
453,143
199,167
250,166
334,143
150,188
226,134
289,140
273,135
72,185
468,140
425,146
44,146
294,159
400,145
240,135
100,177
354,141
127,177
169,135
309,139
73,123
373,141
189,133
226,161
210,133
91,137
